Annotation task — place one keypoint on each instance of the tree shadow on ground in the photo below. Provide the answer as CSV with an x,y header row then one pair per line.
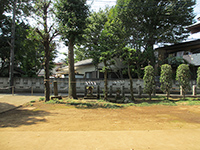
x,y
22,116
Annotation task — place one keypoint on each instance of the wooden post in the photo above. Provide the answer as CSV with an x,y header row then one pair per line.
x,y
13,90
98,92
123,94
55,85
154,91
111,91
194,90
32,91
85,94
139,90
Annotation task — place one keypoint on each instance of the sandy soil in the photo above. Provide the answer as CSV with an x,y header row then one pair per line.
x,y
176,127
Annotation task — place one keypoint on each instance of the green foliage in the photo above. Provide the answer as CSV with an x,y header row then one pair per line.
x,y
29,55
55,101
95,104
198,77
155,21
33,101
71,16
149,80
41,99
166,78
183,77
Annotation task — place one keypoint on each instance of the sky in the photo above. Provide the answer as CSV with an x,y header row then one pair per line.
x,y
97,4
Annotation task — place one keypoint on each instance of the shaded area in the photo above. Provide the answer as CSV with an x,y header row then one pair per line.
x,y
6,107
22,116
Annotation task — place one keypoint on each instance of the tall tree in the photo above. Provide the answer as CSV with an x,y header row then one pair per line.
x,y
20,9
154,21
43,12
102,38
71,15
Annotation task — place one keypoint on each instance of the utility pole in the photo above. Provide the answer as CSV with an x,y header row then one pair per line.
x,y
11,74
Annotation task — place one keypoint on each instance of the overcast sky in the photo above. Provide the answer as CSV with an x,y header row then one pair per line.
x,y
97,4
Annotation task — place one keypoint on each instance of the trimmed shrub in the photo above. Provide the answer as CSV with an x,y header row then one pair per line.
x,y
183,77
166,79
149,80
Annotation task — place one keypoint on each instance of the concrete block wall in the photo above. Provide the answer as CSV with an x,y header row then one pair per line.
x,y
36,85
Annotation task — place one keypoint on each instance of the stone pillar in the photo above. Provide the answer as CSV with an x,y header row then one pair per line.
x,y
181,91
55,88
194,90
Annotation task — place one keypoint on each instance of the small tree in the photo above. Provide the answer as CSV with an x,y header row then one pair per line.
x,y
198,77
149,80
166,79
183,77
129,58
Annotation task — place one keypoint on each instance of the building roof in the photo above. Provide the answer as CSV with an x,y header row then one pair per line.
x,y
194,28
83,62
184,46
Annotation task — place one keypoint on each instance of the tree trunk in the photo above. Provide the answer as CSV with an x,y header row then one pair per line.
x,y
105,82
131,83
72,80
150,97
150,50
168,93
47,56
11,72
46,69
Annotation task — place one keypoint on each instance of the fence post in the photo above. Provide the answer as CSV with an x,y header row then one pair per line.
x,y
85,91
13,90
139,90
111,91
31,90
98,92
55,86
123,94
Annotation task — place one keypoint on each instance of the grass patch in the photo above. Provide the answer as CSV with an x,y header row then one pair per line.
x,y
92,104
33,101
41,99
140,102
55,101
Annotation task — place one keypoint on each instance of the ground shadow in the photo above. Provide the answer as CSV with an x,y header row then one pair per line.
x,y
5,107
22,116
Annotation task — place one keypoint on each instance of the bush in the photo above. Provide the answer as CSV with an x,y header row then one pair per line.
x,y
183,77
149,80
166,79
198,77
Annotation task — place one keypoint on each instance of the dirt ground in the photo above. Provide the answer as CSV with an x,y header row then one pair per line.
x,y
147,123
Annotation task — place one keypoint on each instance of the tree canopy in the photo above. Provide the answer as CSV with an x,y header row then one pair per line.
x,y
155,21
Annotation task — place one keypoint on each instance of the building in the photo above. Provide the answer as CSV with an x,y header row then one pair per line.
x,y
87,69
